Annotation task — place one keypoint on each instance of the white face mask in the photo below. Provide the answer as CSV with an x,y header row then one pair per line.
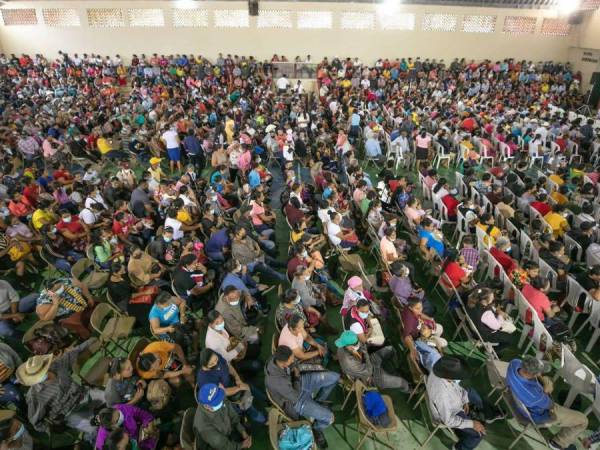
x,y
237,302
67,219
297,300
304,254
167,239
307,277
406,272
355,347
60,290
363,315
220,326
18,434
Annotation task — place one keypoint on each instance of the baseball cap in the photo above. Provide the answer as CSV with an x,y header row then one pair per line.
x,y
211,395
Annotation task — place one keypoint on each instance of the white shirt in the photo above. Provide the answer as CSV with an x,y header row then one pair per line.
x,y
283,83
97,199
218,342
171,139
176,225
87,216
332,231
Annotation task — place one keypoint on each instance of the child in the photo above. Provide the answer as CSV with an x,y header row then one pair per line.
x,y
469,254
427,349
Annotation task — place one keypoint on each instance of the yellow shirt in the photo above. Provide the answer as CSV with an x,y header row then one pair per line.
x,y
184,216
155,173
491,237
559,198
103,146
558,224
41,218
556,179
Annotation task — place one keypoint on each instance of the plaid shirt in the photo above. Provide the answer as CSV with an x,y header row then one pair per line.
x,y
471,256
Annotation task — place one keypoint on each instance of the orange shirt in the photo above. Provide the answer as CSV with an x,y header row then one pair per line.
x,y
162,350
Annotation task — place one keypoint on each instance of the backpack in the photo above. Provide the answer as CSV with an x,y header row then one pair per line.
x,y
376,409
300,438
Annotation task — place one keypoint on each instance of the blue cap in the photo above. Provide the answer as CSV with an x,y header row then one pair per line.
x,y
211,395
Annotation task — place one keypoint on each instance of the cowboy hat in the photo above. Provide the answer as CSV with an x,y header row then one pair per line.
x,y
451,368
34,370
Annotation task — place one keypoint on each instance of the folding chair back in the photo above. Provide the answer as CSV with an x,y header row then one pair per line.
x,y
527,248
186,434
573,248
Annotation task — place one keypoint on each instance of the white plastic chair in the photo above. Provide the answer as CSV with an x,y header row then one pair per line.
x,y
575,292
483,240
547,271
524,317
527,248
440,155
580,379
571,244
541,340
594,321
504,152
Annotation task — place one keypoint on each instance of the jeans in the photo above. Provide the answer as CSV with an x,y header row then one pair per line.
x,y
468,437
265,230
265,269
320,384
384,380
26,305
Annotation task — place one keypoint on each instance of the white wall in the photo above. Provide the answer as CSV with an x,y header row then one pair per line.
x,y
262,43
585,54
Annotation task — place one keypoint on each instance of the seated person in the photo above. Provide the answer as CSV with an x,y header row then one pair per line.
x,y
447,197
168,322
557,221
583,235
456,407
526,381
217,422
138,423
302,344
501,253
403,289
214,369
413,320
493,324
233,312
293,391
368,329
191,282
344,237
358,364
165,361
458,274
488,225
123,385
430,241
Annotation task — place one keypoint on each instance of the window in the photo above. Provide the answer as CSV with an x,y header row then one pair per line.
x,y
519,25
555,27
396,21
232,18
357,21
479,24
19,16
190,18
315,19
146,18
105,17
272,18
439,22
55,17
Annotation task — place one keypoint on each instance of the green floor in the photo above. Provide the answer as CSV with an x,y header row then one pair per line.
x,y
412,430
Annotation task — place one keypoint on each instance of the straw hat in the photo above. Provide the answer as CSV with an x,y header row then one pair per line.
x,y
33,370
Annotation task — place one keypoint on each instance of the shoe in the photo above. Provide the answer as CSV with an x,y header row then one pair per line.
x,y
554,446
496,415
320,438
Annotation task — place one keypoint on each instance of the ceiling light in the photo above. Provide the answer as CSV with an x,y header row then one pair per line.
x,y
388,6
567,7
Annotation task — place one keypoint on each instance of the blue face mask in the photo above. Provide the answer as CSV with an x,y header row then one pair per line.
x,y
167,239
220,326
363,315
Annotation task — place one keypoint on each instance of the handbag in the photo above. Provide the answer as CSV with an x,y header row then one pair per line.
x,y
144,295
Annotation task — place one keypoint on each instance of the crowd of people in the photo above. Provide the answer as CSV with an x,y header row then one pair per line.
x,y
148,204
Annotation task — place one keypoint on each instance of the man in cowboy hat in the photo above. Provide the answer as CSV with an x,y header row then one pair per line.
x,y
527,383
54,398
217,422
460,409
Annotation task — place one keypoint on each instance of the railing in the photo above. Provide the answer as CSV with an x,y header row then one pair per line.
x,y
295,69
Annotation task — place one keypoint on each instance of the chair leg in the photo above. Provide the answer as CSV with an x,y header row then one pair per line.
x,y
431,435
593,340
362,440
518,438
581,328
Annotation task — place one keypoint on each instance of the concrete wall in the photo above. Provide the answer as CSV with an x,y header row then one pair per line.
x,y
263,42
585,54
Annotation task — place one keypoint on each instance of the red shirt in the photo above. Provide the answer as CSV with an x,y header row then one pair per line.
x,y
541,207
455,273
19,209
469,124
74,226
31,192
537,299
507,263
58,174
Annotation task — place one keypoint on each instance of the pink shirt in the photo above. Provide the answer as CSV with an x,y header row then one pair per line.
x,y
255,212
387,248
289,340
423,142
537,299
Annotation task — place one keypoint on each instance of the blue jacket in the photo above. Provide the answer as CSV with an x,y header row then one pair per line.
x,y
529,392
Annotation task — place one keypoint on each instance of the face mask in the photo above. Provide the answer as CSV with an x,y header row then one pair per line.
x,y
297,300
238,269
237,302
220,326
67,219
60,290
113,240
18,434
363,315
457,382
258,159
406,272
167,239
304,254
217,407
121,419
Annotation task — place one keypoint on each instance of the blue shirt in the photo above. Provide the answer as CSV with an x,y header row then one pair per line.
x,y
428,355
217,375
166,316
355,120
432,242
235,281
253,179
217,241
529,392
192,145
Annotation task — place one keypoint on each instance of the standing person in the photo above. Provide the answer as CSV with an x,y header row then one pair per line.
x,y
193,148
526,381
423,144
171,140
